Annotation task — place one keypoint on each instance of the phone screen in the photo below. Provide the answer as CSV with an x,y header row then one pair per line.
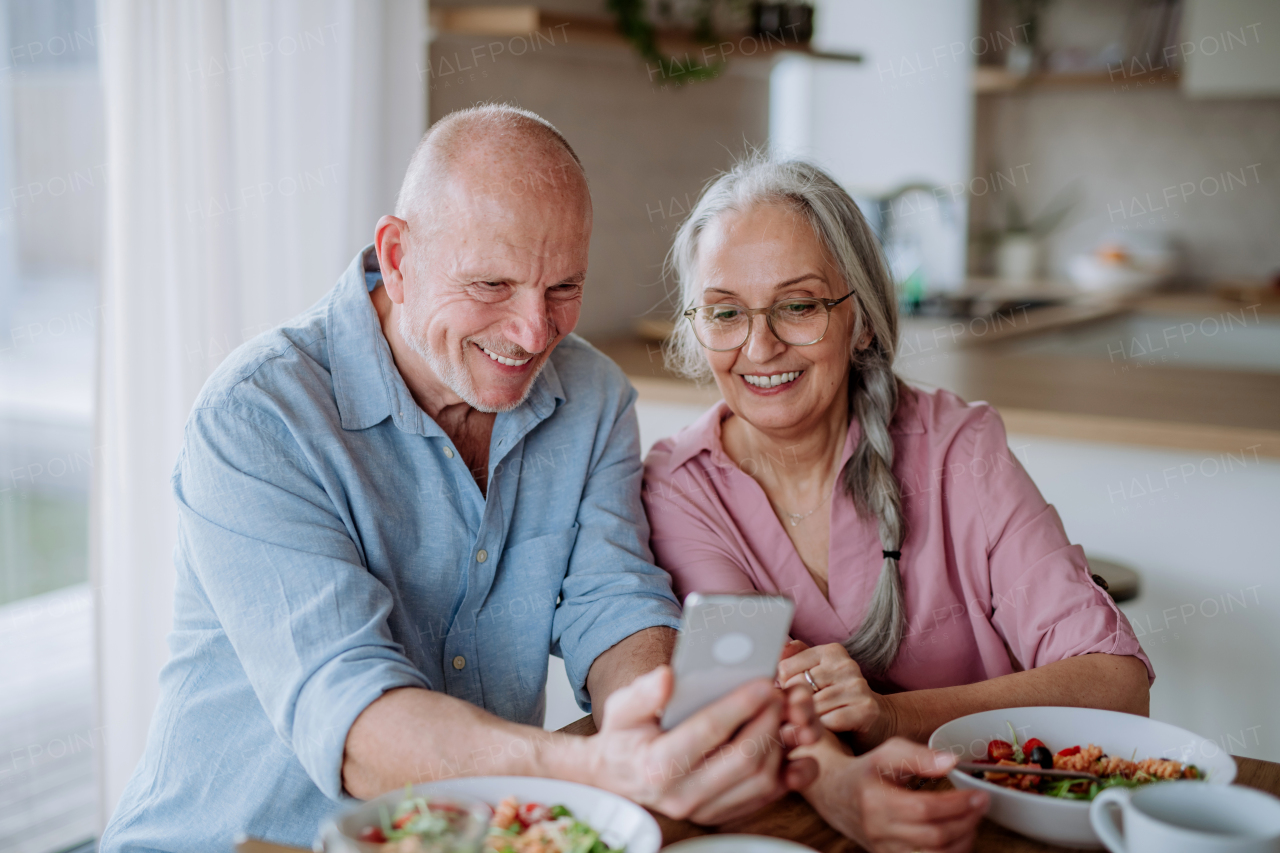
x,y
724,642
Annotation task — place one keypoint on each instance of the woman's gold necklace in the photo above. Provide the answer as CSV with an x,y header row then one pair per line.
x,y
797,517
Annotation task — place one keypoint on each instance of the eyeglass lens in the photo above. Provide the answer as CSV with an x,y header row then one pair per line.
x,y
798,322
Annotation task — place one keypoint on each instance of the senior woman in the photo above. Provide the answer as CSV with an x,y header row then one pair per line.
x,y
931,579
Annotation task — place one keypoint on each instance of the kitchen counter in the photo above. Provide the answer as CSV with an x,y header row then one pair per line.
x,y
1128,393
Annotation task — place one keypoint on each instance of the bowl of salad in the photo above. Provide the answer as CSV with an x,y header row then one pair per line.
x,y
514,814
408,821
1082,751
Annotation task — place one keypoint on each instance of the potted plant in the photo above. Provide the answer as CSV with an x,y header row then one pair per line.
x,y
1019,243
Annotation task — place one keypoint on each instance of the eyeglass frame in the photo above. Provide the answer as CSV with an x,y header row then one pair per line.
x,y
751,313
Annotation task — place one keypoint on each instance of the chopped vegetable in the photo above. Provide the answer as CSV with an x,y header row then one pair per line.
x,y
1000,750
1111,770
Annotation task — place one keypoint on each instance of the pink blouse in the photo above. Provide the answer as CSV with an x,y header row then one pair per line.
x,y
988,572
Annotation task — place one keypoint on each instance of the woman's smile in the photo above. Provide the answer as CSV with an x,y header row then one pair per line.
x,y
772,383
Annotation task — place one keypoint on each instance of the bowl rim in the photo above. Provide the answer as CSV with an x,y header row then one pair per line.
x,y
1056,802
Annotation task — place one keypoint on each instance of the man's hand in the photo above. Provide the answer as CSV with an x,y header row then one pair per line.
x,y
865,799
727,760
844,700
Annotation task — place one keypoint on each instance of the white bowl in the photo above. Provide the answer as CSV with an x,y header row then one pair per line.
x,y
1066,822
619,821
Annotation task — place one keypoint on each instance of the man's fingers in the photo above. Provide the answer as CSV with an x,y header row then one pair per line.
x,y
744,770
639,702
716,723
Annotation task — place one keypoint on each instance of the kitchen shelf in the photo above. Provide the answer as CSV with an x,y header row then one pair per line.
x,y
988,80
525,20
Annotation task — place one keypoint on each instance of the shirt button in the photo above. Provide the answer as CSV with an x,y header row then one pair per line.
x,y
482,555
448,451
459,662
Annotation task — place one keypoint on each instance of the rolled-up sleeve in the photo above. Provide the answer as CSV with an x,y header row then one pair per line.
x,y
612,588
287,582
1045,605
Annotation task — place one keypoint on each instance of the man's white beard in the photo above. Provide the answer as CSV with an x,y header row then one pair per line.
x,y
455,377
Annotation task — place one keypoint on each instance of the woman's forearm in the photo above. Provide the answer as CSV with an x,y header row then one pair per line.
x,y
1110,682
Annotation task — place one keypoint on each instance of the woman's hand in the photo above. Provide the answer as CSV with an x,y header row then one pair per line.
x,y
865,799
844,701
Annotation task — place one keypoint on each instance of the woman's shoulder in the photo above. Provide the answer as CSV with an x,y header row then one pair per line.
x,y
944,419
946,425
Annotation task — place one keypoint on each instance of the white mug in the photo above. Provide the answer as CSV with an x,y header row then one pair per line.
x,y
1187,817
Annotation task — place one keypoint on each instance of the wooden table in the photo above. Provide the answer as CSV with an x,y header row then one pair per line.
x,y
792,818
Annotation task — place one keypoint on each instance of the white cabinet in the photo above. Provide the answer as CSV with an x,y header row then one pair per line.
x,y
1228,48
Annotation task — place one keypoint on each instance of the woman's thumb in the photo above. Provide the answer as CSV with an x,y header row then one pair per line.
x,y
898,758
640,701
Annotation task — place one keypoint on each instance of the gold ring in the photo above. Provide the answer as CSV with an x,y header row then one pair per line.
x,y
809,678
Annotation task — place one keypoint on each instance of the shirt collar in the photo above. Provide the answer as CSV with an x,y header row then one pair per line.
x,y
366,384
703,436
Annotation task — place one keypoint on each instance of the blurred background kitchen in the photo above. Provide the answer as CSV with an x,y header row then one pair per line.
x,y
1079,200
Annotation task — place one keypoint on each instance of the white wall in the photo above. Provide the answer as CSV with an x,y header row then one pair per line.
x,y
903,115
1200,529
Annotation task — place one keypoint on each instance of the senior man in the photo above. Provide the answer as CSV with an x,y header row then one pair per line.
x,y
392,508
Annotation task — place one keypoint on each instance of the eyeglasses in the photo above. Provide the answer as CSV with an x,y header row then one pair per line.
x,y
799,322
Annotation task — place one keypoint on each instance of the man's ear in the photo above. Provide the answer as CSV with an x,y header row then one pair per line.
x,y
390,242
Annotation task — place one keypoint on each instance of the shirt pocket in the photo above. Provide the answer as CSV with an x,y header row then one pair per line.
x,y
532,571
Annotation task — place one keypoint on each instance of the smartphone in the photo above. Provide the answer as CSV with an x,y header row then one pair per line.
x,y
724,642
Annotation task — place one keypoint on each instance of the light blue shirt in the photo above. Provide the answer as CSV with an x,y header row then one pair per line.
x,y
332,545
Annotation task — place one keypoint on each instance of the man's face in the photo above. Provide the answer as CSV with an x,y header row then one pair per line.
x,y
497,284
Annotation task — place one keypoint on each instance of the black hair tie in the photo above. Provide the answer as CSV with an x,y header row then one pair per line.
x,y
897,555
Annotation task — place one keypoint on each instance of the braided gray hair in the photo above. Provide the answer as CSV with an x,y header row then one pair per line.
x,y
873,388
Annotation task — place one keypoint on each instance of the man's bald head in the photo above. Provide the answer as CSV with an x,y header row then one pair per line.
x,y
484,263
486,147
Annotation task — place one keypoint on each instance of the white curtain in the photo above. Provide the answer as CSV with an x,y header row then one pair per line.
x,y
251,147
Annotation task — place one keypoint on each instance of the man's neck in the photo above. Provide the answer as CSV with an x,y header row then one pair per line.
x,y
467,428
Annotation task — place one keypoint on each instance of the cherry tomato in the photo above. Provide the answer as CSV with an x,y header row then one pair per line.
x,y
1032,744
404,819
999,749
531,813
373,834
1071,750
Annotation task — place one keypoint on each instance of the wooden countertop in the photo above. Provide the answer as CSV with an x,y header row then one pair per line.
x,y
1205,410
792,818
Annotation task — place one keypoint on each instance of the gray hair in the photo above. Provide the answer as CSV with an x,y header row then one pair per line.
x,y
873,387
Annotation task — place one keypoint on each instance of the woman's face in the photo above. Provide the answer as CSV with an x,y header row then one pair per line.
x,y
755,258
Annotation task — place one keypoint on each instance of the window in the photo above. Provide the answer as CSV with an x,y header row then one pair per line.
x,y
52,175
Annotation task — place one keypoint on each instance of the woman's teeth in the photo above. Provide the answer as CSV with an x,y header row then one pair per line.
x,y
771,381
509,362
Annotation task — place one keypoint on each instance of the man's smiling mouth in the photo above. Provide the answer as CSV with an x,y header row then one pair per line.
x,y
501,359
773,381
